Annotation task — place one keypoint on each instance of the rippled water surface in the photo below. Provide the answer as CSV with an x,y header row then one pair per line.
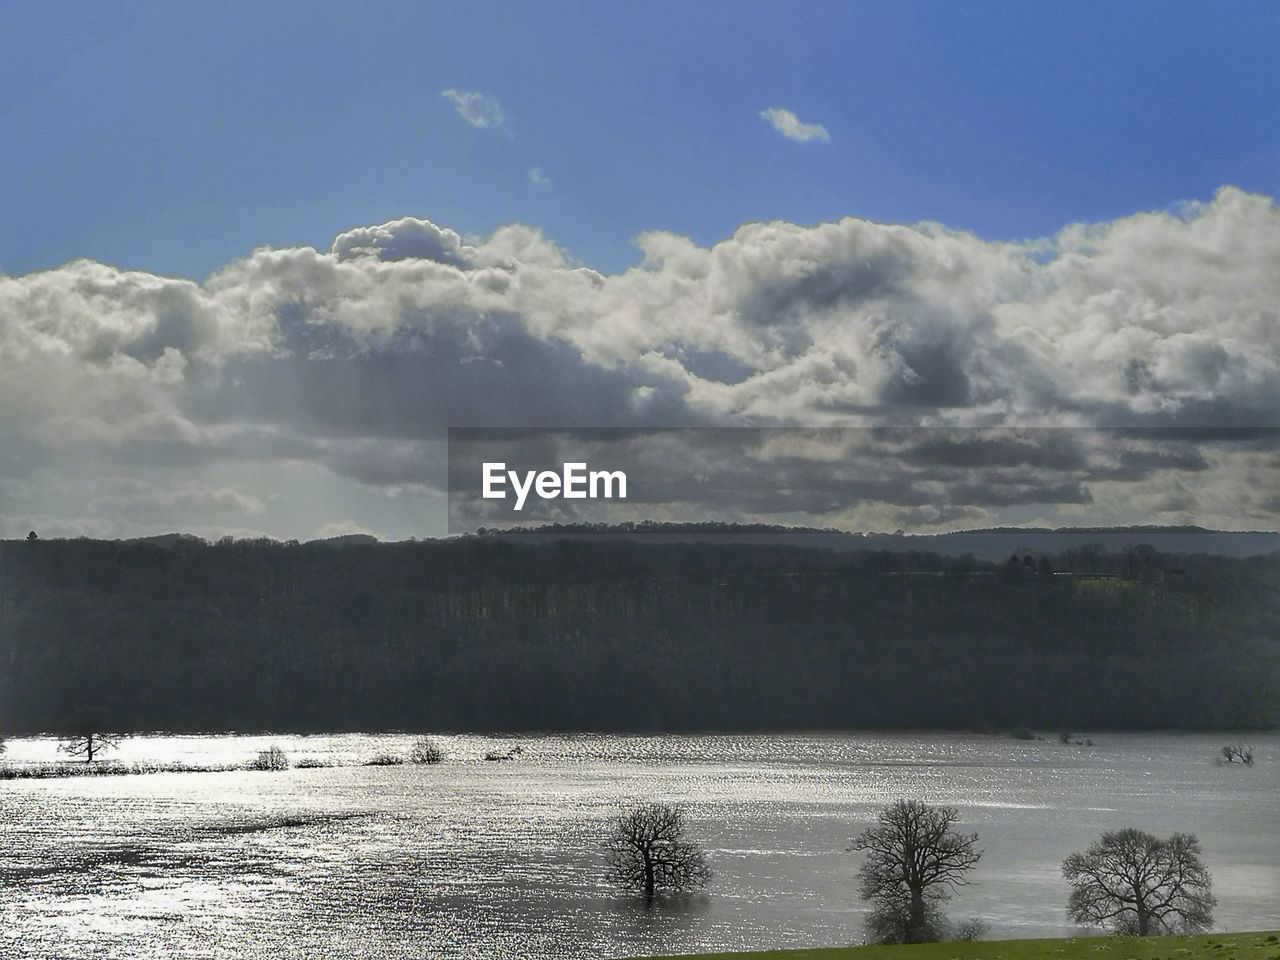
x,y
478,859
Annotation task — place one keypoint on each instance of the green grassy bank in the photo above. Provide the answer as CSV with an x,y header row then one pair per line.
x,y
1214,946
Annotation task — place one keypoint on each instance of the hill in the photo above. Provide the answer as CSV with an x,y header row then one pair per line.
x,y
985,544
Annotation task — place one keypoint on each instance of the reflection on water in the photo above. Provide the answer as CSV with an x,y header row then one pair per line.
x,y
480,859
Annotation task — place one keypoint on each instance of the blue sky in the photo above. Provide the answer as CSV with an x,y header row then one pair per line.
x,y
175,138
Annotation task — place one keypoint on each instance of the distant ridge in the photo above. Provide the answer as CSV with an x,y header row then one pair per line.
x,y
347,540
167,540
995,543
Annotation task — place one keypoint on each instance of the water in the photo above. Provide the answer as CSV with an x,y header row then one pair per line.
x,y
480,860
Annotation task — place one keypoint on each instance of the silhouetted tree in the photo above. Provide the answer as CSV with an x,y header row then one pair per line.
x,y
649,853
87,738
1238,753
1135,883
914,860
33,536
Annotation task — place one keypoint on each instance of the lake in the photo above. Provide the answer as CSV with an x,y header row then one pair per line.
x,y
476,859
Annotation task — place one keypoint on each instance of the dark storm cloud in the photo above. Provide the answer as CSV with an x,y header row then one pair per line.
x,y
487,372
974,449
822,475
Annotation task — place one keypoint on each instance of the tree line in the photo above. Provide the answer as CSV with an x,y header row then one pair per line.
x,y
480,634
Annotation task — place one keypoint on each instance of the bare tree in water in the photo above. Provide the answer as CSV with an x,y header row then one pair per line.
x,y
914,859
1135,883
86,737
649,852
1237,753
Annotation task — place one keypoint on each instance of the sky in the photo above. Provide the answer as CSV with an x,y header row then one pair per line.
x,y
255,260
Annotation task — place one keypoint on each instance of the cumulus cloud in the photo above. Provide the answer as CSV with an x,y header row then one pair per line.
x,y
405,239
791,127
538,178
345,366
478,109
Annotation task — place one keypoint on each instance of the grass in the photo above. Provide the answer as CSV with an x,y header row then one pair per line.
x,y
1213,946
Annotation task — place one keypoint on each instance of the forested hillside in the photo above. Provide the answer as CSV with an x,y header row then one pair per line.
x,y
489,635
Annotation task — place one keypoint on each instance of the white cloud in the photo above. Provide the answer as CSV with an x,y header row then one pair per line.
x,y
538,178
404,239
791,127
478,109
352,361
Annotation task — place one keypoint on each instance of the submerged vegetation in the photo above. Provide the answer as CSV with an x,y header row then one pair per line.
x,y
914,859
110,768
1236,753
649,852
272,758
425,750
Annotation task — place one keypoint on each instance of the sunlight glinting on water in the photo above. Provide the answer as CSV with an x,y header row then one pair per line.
x,y
477,859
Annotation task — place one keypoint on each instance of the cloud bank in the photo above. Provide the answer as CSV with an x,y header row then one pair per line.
x,y
297,388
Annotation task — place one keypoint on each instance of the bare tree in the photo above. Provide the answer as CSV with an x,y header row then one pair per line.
x,y
914,860
87,736
89,743
1238,753
649,853
1133,882
975,928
